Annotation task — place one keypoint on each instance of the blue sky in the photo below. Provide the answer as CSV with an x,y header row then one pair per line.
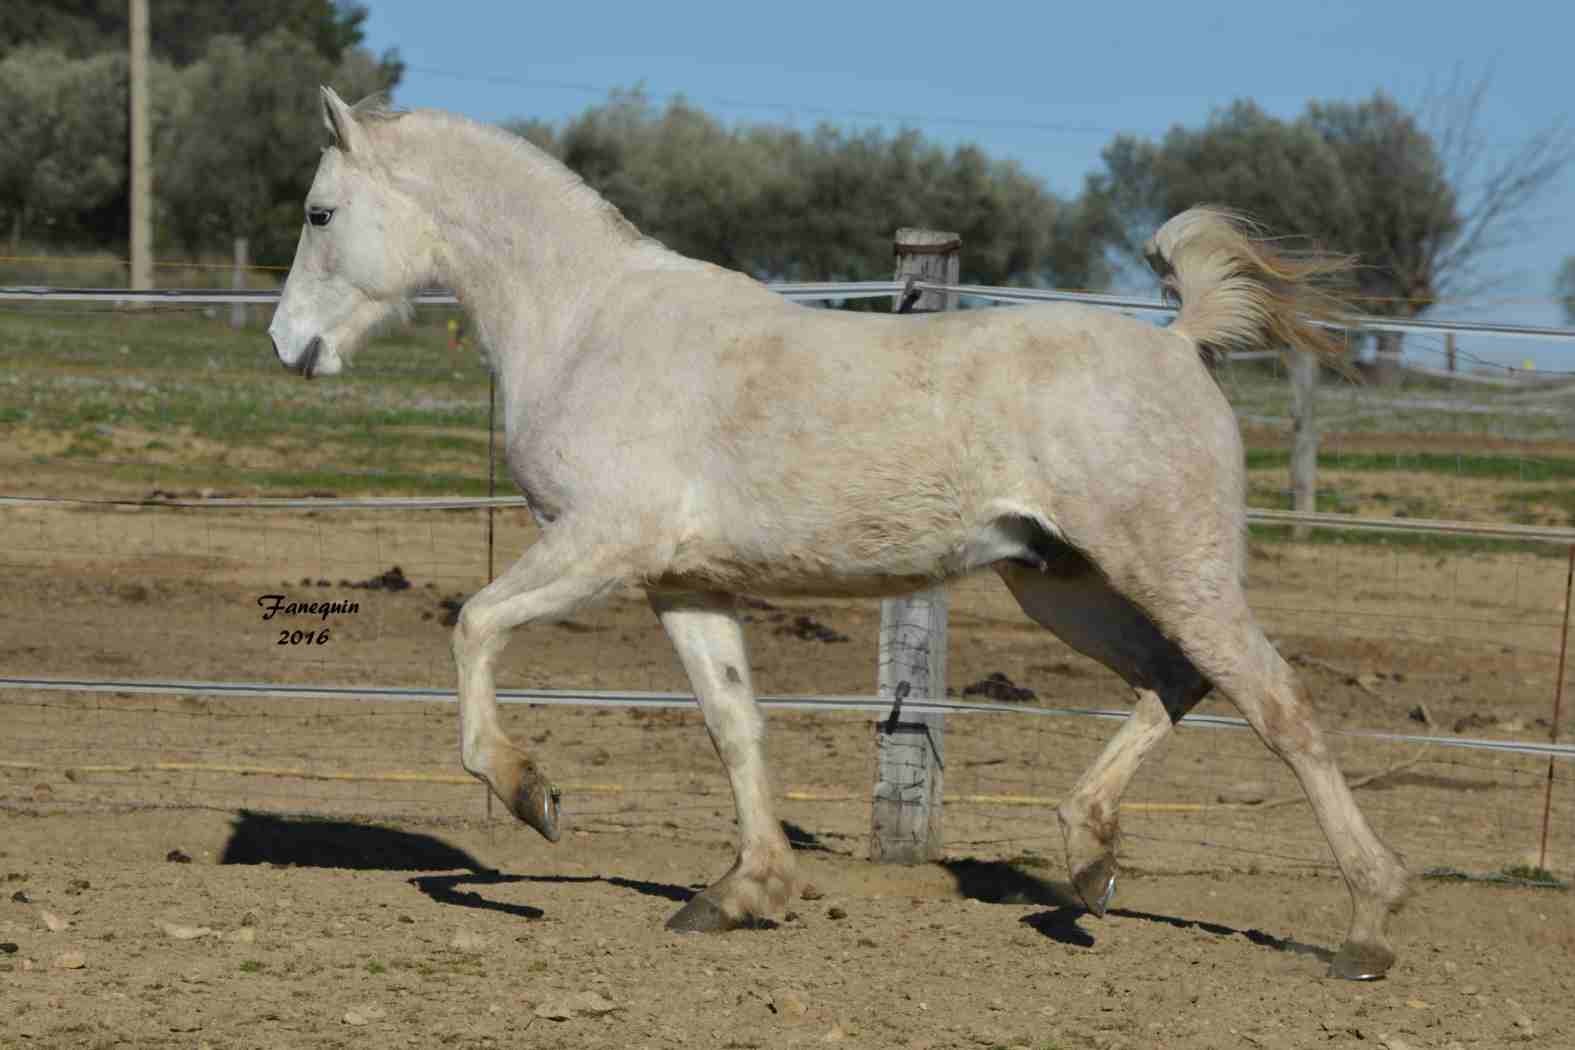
x,y
1046,84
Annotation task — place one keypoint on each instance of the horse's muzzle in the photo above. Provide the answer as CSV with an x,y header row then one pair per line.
x,y
307,365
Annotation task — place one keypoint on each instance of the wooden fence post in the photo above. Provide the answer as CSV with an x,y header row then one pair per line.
x,y
1304,446
905,823
238,281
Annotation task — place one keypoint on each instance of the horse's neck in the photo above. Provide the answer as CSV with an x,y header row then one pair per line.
x,y
528,248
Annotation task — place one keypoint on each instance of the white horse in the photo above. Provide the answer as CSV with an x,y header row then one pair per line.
x,y
681,427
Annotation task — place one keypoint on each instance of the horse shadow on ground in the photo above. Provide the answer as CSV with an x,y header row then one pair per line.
x,y
1002,882
311,842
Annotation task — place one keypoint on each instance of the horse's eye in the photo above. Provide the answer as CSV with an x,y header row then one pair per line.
x,y
319,216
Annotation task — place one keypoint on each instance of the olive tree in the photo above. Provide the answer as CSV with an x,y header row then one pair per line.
x,y
1416,197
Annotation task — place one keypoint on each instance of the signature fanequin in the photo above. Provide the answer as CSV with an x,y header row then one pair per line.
x,y
280,605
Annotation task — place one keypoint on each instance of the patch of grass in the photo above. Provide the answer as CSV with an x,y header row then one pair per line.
x,y
1425,543
1326,500
252,966
1531,873
375,967
1461,465
1516,503
1514,875
407,403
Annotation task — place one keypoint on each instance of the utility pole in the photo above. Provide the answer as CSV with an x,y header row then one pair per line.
x,y
141,161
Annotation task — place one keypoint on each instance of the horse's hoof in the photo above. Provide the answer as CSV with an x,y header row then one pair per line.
x,y
536,803
700,915
1361,962
1096,884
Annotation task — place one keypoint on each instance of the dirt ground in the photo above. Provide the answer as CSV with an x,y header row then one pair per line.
x,y
399,913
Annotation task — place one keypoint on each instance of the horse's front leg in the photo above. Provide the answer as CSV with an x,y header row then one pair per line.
x,y
705,630
552,579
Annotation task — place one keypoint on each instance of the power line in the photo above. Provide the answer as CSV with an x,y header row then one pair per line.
x,y
790,108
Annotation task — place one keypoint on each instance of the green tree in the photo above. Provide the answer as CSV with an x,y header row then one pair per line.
x,y
779,203
64,125
244,142
1564,289
180,30
1414,196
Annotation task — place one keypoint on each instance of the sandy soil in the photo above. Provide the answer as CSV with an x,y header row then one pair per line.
x,y
401,914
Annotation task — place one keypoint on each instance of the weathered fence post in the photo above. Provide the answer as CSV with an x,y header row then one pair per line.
x,y
905,824
238,282
1304,440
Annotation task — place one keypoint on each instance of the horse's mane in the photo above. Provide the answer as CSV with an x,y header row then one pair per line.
x,y
376,109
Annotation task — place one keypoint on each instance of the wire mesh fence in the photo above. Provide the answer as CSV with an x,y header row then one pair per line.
x,y
1452,643
1452,636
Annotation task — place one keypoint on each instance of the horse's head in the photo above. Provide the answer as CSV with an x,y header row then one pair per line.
x,y
365,247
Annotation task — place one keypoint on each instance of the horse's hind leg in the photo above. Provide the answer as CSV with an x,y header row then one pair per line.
x,y
704,628
1230,648
551,580
1082,609
1204,612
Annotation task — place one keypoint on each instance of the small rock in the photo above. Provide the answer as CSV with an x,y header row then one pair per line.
x,y
249,919
8,948
554,1011
790,916
77,886
1244,793
21,897
244,935
466,941
407,920
1469,989
788,1003
184,933
1420,713
70,961
810,892
835,912
53,921
178,856
590,1004
1525,1024
361,1015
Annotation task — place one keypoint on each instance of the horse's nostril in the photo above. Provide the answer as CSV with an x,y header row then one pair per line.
x,y
307,366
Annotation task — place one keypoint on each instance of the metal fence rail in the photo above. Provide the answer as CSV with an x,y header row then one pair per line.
x,y
805,291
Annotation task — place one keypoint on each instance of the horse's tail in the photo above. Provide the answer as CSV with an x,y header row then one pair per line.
x,y
1238,291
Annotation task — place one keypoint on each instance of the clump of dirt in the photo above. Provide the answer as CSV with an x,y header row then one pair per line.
x,y
997,686
392,580
809,629
1475,720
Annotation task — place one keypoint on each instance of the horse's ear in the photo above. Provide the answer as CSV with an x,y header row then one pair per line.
x,y
340,121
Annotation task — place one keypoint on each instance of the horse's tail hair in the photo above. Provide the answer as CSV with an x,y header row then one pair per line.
x,y
1238,291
